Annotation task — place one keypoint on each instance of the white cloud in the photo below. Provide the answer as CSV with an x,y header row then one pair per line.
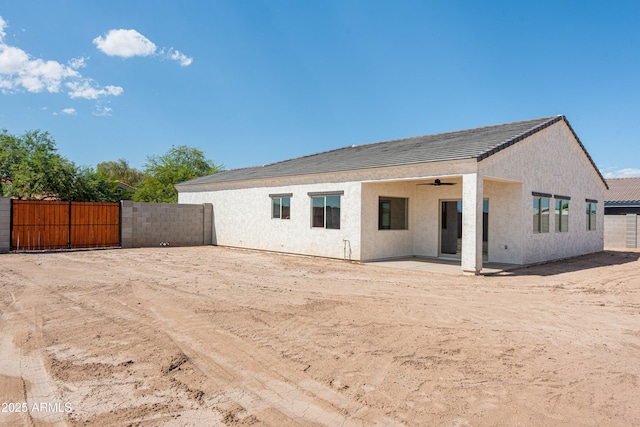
x,y
3,25
85,90
66,111
623,173
129,43
12,59
19,71
77,63
125,43
102,111
183,59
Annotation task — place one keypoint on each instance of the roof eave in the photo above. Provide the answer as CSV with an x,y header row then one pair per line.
x,y
186,185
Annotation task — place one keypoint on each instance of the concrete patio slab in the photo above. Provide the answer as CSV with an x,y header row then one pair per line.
x,y
439,265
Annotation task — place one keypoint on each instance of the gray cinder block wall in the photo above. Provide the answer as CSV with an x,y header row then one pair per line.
x,y
621,231
5,225
152,224
631,237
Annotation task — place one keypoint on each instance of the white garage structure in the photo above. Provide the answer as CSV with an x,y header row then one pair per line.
x,y
519,193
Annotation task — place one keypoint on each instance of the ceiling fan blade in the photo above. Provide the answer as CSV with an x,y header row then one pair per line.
x,y
438,183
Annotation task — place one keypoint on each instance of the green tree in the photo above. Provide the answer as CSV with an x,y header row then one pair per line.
x,y
93,186
31,168
180,163
118,172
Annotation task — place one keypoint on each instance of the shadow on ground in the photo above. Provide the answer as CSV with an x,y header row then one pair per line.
x,y
581,263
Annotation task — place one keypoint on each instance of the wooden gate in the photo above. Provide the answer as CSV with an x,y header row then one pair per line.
x,y
45,225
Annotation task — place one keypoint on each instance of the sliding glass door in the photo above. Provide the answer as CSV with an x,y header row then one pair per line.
x,y
451,228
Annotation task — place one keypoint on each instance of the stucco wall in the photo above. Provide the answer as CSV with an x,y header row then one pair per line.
x,y
551,161
150,224
243,219
380,244
5,225
506,240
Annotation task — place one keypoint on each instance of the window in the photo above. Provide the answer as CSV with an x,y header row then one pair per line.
x,y
591,214
562,213
541,212
325,210
393,213
280,206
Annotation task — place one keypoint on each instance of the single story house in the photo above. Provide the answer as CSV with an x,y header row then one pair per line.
x,y
520,193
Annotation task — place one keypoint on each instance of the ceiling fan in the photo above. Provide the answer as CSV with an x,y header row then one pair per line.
x,y
438,183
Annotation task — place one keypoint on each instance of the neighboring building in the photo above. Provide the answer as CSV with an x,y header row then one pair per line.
x,y
511,193
623,196
621,208
125,190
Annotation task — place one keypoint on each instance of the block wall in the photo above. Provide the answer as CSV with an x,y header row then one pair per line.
x,y
621,231
154,224
5,224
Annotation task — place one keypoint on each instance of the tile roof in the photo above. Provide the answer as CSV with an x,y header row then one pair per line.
x,y
623,191
477,143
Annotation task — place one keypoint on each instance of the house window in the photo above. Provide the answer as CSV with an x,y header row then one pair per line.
x,y
562,213
591,214
393,213
541,212
325,210
280,206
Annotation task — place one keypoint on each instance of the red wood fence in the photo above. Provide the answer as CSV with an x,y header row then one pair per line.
x,y
43,225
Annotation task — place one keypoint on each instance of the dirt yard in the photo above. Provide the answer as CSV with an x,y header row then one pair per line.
x,y
214,336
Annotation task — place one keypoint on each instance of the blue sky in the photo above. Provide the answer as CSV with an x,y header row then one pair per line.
x,y
251,82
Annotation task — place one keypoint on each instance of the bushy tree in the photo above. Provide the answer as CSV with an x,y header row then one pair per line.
x,y
31,168
179,164
93,186
120,170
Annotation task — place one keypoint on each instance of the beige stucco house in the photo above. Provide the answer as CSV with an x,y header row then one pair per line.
x,y
519,193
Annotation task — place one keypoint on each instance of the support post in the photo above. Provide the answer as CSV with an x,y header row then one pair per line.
x,y
472,201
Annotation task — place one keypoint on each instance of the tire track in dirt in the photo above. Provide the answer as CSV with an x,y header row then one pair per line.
x,y
24,378
113,351
259,381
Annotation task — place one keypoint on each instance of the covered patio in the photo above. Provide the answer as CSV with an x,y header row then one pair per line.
x,y
441,266
468,220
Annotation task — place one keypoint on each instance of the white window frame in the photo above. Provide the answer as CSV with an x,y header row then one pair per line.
x,y
279,198
323,195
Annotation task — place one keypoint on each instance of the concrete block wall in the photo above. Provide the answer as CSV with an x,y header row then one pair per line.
x,y
151,224
5,224
631,235
621,231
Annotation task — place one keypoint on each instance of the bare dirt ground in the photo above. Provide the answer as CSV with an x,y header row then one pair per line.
x,y
215,336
